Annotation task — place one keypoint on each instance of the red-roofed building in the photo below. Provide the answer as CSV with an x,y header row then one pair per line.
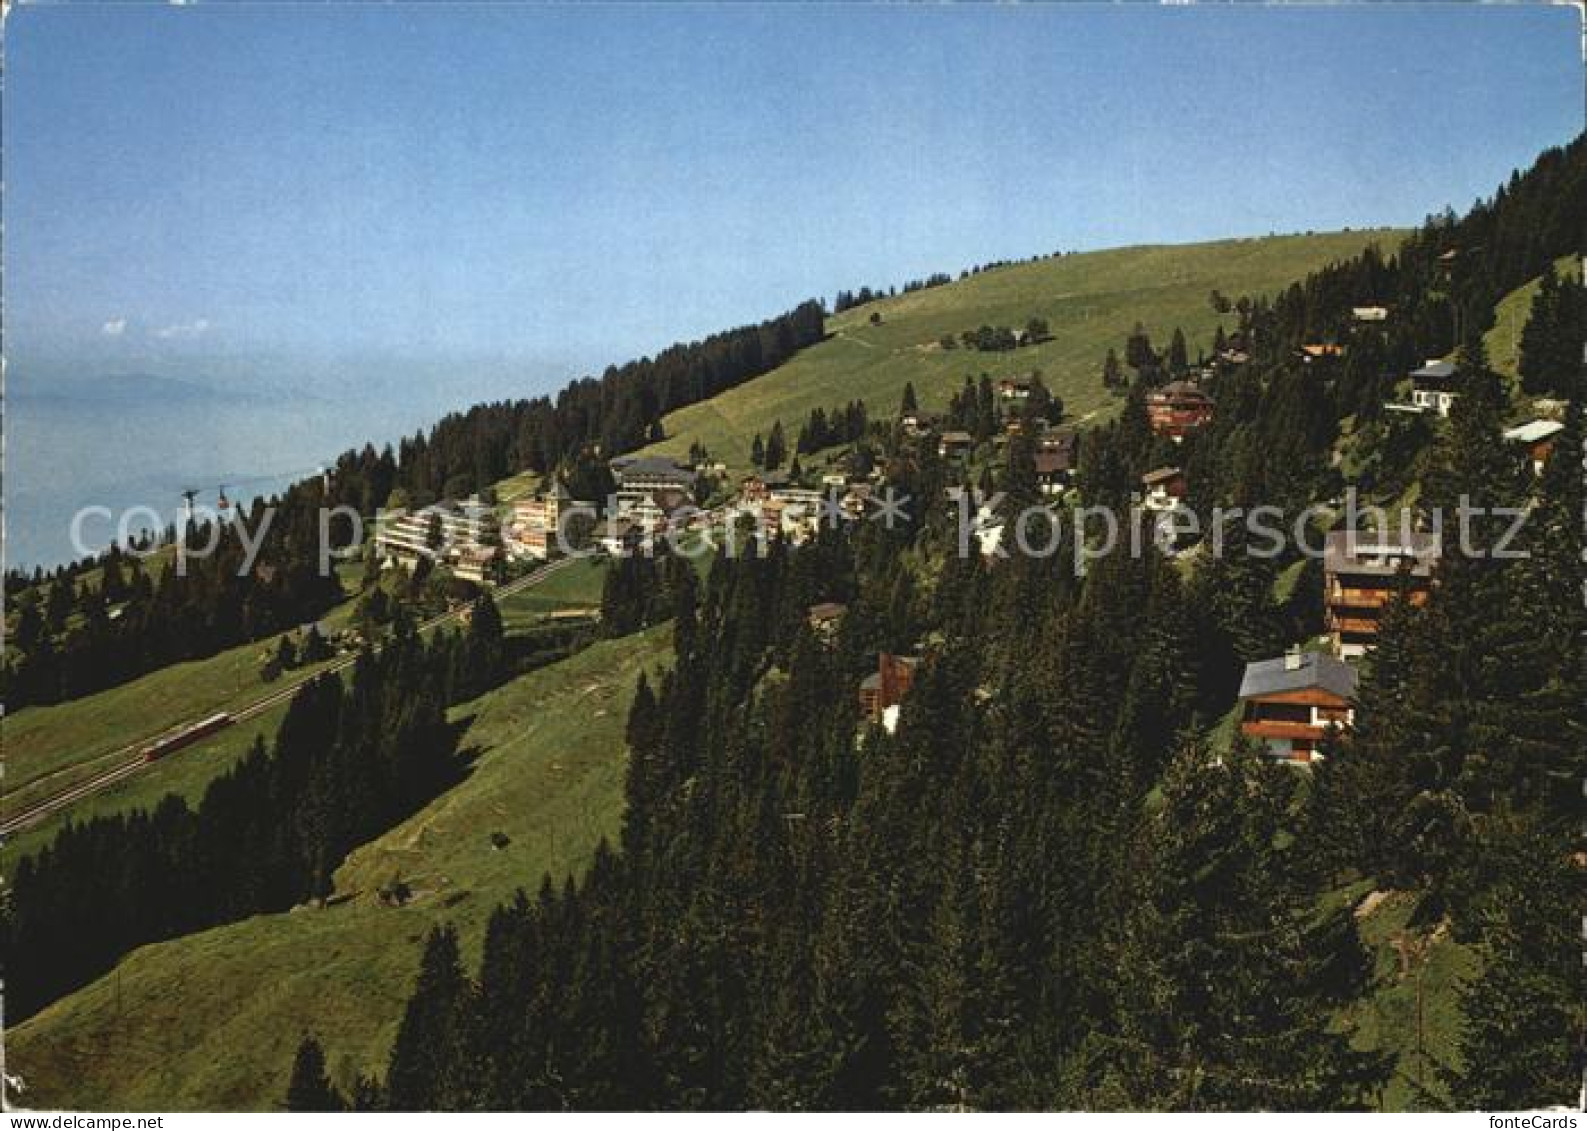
x,y
1177,408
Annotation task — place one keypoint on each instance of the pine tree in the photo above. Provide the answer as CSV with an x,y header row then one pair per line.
x,y
1537,336
1138,352
1223,1003
310,1089
1551,341
776,447
1178,354
429,1058
1112,371
484,649
1522,1018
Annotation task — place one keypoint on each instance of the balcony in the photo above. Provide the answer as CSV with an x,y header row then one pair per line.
x,y
1275,728
1283,728
1353,626
1346,596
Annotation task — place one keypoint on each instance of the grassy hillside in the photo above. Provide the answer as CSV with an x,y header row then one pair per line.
x,y
186,773
548,774
1509,319
1090,302
47,749
576,587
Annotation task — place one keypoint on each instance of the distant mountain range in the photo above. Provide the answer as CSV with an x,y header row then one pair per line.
x,y
132,390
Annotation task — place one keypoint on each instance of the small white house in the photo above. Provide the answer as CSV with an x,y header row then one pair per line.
x,y
1433,387
1164,488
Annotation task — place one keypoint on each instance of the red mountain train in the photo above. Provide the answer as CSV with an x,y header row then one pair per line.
x,y
177,739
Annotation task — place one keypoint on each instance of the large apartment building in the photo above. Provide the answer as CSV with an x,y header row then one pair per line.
x,y
442,531
1362,572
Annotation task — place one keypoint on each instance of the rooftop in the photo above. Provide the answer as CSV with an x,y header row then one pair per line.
x,y
1434,371
1376,552
652,467
1534,431
1304,672
1179,390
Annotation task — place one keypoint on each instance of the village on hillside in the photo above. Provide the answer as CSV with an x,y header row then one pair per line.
x,y
1289,704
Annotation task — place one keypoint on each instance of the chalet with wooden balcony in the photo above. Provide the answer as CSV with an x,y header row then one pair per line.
x,y
1177,409
1291,703
825,617
1363,571
1055,467
752,489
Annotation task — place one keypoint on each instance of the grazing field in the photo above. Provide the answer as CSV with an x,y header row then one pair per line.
x,y
547,774
1090,301
519,486
577,586
186,773
50,747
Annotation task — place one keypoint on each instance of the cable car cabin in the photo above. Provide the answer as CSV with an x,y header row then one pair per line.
x,y
167,743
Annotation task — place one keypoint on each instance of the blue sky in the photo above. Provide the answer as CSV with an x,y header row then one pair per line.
x,y
225,188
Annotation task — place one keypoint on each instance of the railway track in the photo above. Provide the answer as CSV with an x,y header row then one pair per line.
x,y
129,759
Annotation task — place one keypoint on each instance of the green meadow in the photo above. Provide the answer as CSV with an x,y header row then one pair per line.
x,y
1091,301
547,769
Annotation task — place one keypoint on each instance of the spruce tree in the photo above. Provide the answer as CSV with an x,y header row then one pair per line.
x,y
776,447
429,1059
1537,336
1222,1003
310,1089
1522,1017
1112,371
1178,354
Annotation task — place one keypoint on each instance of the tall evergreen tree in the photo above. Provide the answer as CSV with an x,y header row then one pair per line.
x,y
310,1089
1221,1002
430,1057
